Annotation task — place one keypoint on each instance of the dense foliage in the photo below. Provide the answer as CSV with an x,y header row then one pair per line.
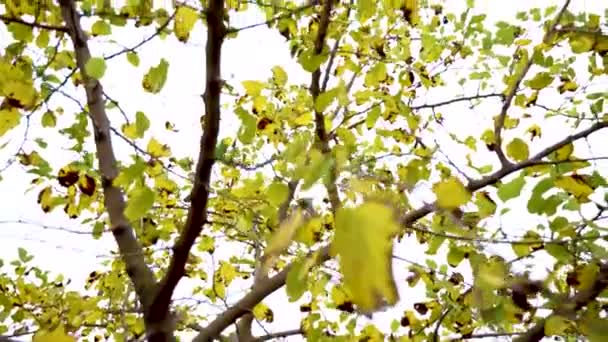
x,y
500,121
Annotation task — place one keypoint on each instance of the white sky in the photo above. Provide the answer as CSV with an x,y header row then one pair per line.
x,y
250,56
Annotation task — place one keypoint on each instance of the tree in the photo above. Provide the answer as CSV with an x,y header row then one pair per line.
x,y
350,151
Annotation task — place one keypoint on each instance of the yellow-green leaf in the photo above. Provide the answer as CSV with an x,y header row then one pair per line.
x,y
563,153
491,275
158,150
540,80
49,119
154,80
364,243
133,58
575,185
325,99
518,150
282,238
451,193
101,28
556,325
277,193
140,201
185,19
9,119
295,284
95,67
57,335
279,76
253,88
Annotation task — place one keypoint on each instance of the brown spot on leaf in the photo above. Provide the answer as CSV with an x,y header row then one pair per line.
x,y
86,184
346,307
263,123
67,177
421,308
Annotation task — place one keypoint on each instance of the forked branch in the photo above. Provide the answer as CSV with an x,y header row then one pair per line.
x,y
197,215
128,245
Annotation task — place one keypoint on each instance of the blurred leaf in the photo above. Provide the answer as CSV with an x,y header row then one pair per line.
x,y
363,241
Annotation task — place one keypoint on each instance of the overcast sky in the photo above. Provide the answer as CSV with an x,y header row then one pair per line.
x,y
250,56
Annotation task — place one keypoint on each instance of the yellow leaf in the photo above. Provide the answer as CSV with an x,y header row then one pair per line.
x,y
9,119
262,312
576,186
282,238
563,153
535,131
556,325
185,19
158,150
364,243
451,193
253,88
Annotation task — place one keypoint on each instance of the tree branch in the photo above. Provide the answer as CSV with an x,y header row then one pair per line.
x,y
268,286
130,250
158,31
244,332
8,20
570,306
280,334
315,90
197,215
255,296
500,121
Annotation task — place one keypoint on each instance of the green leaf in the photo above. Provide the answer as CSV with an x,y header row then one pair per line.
x,y
540,81
277,193
559,252
141,123
140,202
154,80
364,242
185,19
22,254
512,189
518,150
451,193
95,67
9,119
133,58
